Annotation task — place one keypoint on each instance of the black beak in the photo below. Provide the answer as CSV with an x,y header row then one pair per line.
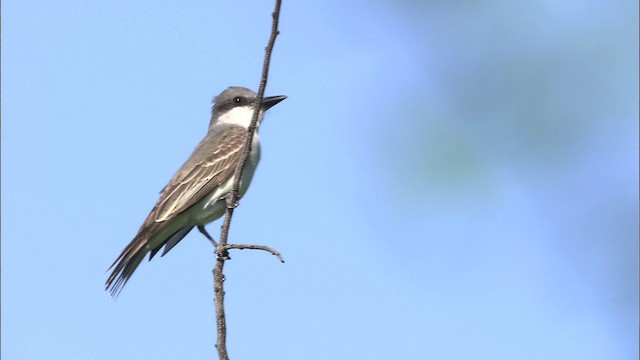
x,y
268,102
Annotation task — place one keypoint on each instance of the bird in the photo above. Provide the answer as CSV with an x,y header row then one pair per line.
x,y
197,193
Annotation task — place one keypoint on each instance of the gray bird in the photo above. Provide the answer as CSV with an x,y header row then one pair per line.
x,y
196,195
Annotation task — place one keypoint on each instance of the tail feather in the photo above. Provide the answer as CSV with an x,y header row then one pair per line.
x,y
126,264
132,255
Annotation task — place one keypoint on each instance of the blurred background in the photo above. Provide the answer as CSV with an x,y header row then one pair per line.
x,y
447,179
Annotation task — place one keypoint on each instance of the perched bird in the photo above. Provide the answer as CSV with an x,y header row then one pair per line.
x,y
196,195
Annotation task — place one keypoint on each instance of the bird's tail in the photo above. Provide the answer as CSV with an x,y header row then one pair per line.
x,y
126,264
132,255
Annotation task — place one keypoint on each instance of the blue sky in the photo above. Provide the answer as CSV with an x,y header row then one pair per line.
x,y
446,180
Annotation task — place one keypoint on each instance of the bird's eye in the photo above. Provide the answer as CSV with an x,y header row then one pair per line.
x,y
237,100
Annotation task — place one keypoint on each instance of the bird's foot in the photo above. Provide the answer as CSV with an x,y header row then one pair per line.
x,y
232,205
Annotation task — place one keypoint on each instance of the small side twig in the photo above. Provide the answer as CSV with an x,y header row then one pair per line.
x,y
223,246
273,251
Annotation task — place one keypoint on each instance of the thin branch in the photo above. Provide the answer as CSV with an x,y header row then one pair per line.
x,y
223,247
273,251
221,323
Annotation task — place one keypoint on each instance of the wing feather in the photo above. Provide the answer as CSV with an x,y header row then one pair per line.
x,y
211,164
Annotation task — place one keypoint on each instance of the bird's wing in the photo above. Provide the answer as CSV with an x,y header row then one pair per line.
x,y
211,164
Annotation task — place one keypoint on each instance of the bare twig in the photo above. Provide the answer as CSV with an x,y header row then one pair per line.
x,y
221,323
223,246
273,252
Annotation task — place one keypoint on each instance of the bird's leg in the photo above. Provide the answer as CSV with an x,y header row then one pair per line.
x,y
206,234
232,205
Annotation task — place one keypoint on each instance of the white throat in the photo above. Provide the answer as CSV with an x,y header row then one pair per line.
x,y
239,116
